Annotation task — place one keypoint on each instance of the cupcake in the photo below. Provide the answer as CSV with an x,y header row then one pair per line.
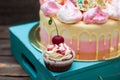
x,y
59,57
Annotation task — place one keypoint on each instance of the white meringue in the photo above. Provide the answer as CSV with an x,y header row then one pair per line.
x,y
114,9
69,13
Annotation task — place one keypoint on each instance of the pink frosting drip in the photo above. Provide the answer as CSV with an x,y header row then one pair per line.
x,y
90,47
95,15
45,37
85,46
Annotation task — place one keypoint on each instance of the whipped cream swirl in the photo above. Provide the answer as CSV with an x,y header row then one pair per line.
x,y
59,52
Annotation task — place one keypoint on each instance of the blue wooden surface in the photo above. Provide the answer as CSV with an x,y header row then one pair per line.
x,y
22,32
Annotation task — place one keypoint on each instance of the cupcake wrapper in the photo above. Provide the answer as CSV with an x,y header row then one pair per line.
x,y
57,66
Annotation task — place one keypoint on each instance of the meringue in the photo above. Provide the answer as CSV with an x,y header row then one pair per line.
x,y
69,13
50,8
95,15
114,9
41,1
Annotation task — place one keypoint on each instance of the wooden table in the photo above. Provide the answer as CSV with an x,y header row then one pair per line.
x,y
9,68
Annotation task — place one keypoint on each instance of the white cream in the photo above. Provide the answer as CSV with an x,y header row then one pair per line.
x,y
52,53
114,9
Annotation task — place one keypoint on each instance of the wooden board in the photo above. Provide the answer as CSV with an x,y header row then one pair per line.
x,y
9,68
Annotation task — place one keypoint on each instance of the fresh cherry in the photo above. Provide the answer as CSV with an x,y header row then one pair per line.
x,y
57,39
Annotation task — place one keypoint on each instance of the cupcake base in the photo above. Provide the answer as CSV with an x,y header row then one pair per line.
x,y
57,66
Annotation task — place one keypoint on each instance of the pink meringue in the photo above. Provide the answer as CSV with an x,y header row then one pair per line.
x,y
95,15
69,13
50,8
41,1
114,9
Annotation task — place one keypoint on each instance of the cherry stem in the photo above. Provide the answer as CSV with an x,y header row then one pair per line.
x,y
56,27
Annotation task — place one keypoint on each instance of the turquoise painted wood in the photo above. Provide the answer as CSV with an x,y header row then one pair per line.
x,y
32,62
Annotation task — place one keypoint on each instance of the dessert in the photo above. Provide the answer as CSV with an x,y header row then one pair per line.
x,y
59,57
90,28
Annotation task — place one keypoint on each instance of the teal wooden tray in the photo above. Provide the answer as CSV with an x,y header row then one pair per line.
x,y
32,62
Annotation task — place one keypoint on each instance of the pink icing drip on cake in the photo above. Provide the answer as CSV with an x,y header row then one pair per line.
x,y
87,50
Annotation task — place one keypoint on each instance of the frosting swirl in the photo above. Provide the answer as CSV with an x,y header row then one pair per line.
x,y
59,52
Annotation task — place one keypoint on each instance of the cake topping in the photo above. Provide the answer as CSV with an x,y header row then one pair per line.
x,y
68,13
95,15
57,39
85,5
59,52
50,8
114,9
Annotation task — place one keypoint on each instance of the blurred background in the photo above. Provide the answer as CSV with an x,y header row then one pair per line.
x,y
14,12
